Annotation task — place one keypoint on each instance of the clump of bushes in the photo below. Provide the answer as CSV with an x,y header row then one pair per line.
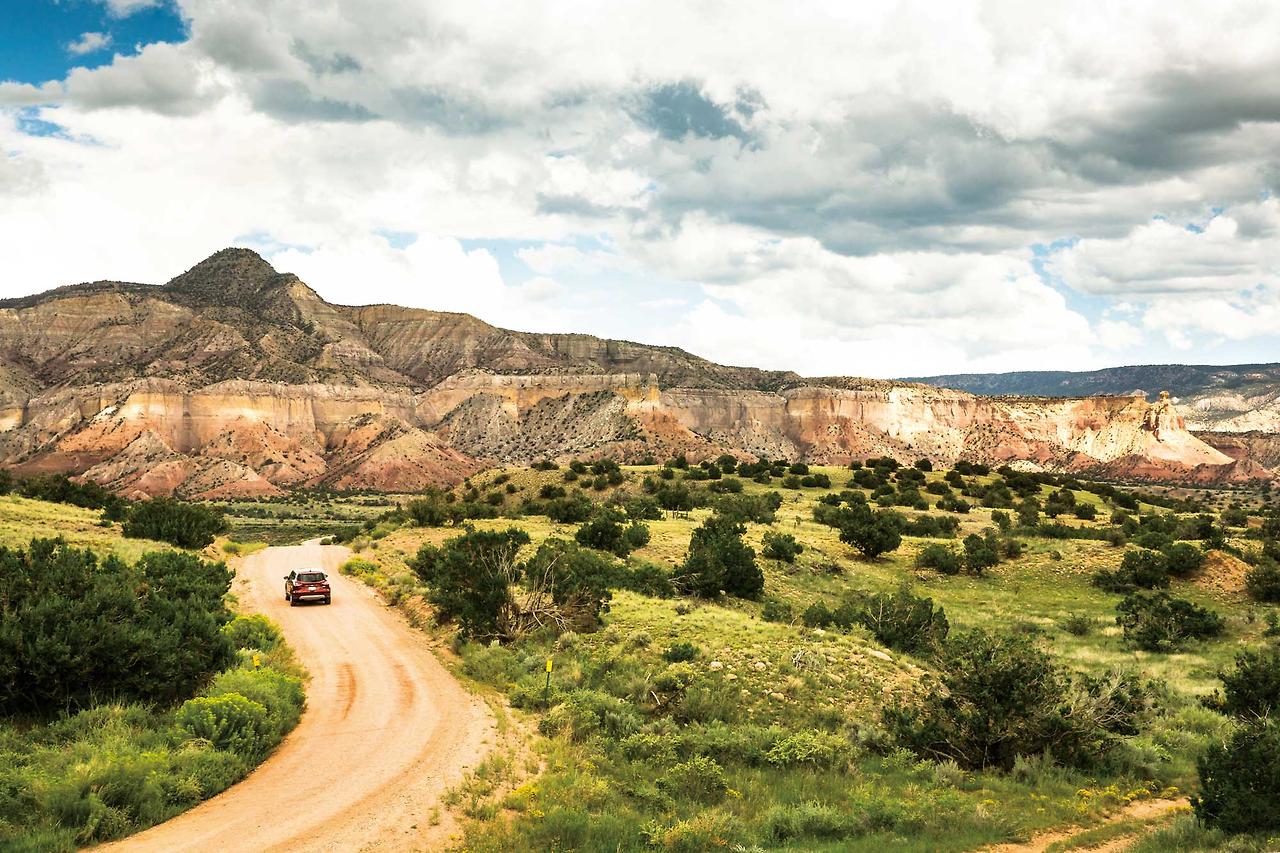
x,y
1240,781
74,627
149,762
1000,697
781,546
471,581
719,561
1158,622
1263,581
186,525
940,558
607,530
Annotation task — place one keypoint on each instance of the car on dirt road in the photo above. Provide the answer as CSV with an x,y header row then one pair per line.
x,y
302,585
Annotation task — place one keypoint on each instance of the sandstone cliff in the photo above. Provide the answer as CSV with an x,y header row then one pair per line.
x,y
233,379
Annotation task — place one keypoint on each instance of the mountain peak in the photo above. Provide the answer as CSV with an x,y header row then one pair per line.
x,y
230,276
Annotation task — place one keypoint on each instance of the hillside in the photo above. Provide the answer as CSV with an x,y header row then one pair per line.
x,y
236,380
1230,398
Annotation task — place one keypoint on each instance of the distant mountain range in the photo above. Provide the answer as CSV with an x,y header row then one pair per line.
x,y
1231,398
235,379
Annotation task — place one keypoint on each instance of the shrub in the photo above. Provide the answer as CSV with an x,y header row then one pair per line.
x,y
718,560
872,534
1079,625
980,554
940,558
73,628
809,748
469,580
230,722
253,631
776,610
1252,689
1140,568
605,532
756,508
646,578
1183,559
572,510
1240,781
781,546
572,580
903,621
280,694
1158,622
1263,581
700,780
584,714
177,522
1000,697
428,511
680,652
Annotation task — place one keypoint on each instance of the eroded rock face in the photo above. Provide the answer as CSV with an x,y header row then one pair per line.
x,y
233,379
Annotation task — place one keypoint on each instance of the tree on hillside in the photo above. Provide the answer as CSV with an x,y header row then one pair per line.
x,y
719,561
469,580
872,534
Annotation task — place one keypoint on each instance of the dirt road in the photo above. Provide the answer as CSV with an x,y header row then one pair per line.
x,y
385,732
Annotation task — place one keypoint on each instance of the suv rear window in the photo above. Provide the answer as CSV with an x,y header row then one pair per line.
x,y
309,577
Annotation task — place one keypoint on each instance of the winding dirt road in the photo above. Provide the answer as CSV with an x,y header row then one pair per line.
x,y
386,731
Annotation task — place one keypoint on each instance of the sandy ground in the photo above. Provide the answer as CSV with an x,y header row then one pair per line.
x,y
1140,810
386,731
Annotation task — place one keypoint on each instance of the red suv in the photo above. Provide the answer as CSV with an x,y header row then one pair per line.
x,y
306,585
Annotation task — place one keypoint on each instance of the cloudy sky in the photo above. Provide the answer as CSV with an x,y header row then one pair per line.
x,y
877,189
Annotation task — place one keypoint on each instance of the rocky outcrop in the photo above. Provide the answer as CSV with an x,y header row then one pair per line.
x,y
233,379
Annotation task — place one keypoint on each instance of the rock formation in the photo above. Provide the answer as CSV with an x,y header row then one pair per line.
x,y
233,379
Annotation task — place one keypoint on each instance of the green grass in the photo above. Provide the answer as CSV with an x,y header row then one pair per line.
x,y
24,519
115,769
754,681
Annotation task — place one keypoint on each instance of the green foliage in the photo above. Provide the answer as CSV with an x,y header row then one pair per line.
x,y
58,488
941,558
645,578
700,779
1263,581
1183,559
776,610
1140,568
1000,698
74,627
469,579
1078,625
719,561
1157,622
872,534
604,531
113,769
430,510
781,546
980,553
1240,781
680,652
759,509
229,722
253,631
573,510
183,524
809,747
576,580
1252,689
904,621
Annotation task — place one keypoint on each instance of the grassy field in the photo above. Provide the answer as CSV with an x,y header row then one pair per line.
x,y
753,684
23,519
